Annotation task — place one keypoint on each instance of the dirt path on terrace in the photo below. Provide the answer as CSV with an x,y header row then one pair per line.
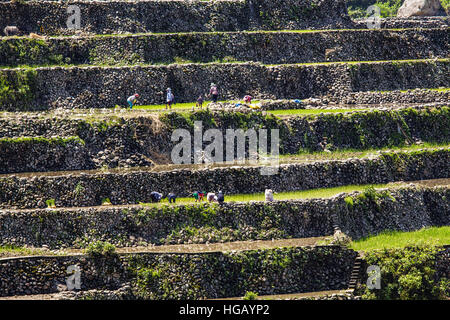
x,y
289,296
217,247
159,168
292,296
185,248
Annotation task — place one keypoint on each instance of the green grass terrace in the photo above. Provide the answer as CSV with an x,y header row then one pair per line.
x,y
304,194
435,236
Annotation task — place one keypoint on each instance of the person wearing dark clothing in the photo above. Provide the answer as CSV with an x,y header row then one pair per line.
x,y
199,102
172,197
155,196
214,92
220,197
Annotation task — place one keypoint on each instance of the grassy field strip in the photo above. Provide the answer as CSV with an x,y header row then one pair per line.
x,y
291,195
191,106
15,251
357,62
355,153
155,110
399,239
297,195
105,66
177,106
288,112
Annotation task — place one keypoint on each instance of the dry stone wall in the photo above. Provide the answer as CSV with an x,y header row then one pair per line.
x,y
187,276
393,98
408,209
31,154
404,209
411,22
176,16
102,87
134,187
120,141
265,47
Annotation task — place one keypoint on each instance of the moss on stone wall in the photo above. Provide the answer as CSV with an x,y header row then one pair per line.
x,y
27,51
39,140
179,276
18,89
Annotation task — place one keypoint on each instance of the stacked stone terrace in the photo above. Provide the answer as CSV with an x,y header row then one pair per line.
x,y
66,136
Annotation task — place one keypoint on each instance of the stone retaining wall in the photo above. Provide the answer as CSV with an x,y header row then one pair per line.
x,y
176,16
404,209
187,276
120,141
410,22
407,209
270,48
31,154
134,187
101,87
395,97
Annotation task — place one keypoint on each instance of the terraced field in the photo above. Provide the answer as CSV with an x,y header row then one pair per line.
x,y
364,127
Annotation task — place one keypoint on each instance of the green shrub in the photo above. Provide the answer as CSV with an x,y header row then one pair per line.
x,y
407,274
389,8
79,190
250,295
356,12
349,202
100,249
50,203
445,4
147,278
106,202
17,88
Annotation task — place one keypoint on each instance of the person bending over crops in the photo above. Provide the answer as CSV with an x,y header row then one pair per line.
x,y
132,100
269,195
211,197
172,197
155,196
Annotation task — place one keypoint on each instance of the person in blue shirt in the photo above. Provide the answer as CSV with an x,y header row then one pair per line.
x,y
172,197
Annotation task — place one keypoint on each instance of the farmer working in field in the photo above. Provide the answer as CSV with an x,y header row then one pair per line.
x,y
155,196
170,98
214,92
132,100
